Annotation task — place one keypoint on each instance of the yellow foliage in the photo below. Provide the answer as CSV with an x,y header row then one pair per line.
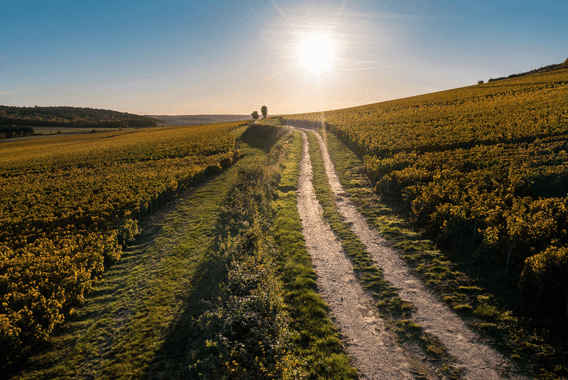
x,y
69,202
546,271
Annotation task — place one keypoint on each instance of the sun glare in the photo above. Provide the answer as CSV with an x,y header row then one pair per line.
x,y
316,53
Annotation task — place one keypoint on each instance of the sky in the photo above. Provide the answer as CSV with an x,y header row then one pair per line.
x,y
232,57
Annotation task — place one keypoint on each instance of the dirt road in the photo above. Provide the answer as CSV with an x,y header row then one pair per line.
x,y
373,350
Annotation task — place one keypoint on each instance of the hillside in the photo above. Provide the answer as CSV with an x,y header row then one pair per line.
x,y
170,120
544,69
70,204
71,117
132,271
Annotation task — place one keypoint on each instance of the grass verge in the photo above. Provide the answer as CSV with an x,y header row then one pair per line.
x,y
396,312
519,338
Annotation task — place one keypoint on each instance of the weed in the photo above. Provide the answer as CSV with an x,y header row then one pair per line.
x,y
486,311
407,329
434,346
469,288
463,307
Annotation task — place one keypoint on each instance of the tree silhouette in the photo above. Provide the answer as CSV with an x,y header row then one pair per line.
x,y
264,111
254,115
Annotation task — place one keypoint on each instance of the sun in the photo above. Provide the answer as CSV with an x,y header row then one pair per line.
x,y
316,52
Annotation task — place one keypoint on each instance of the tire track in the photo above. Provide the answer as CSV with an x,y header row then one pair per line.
x,y
479,360
373,350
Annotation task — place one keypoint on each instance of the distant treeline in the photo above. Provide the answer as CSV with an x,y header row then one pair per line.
x,y
71,117
544,69
7,132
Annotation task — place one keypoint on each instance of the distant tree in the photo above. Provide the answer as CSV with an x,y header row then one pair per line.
x,y
254,115
480,82
264,111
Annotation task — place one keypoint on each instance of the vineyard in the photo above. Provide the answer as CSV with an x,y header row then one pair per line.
x,y
483,170
484,166
68,206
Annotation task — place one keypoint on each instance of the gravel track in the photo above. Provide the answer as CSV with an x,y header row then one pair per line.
x,y
372,349
479,360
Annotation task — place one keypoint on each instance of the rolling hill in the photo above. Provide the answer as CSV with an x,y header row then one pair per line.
x,y
170,120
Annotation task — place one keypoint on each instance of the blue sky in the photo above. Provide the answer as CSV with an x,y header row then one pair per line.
x,y
232,57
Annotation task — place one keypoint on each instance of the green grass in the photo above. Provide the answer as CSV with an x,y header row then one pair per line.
x,y
313,347
244,331
134,322
396,312
500,326
291,168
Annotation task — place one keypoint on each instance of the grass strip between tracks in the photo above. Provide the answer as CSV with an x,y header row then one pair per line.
x,y
315,340
396,312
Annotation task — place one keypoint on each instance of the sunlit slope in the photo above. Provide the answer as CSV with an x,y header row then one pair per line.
x,y
499,111
485,164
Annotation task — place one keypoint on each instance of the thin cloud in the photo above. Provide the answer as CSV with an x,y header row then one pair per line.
x,y
369,68
391,16
340,10
279,10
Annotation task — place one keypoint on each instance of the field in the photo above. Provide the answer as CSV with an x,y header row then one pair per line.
x,y
70,204
178,252
482,172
